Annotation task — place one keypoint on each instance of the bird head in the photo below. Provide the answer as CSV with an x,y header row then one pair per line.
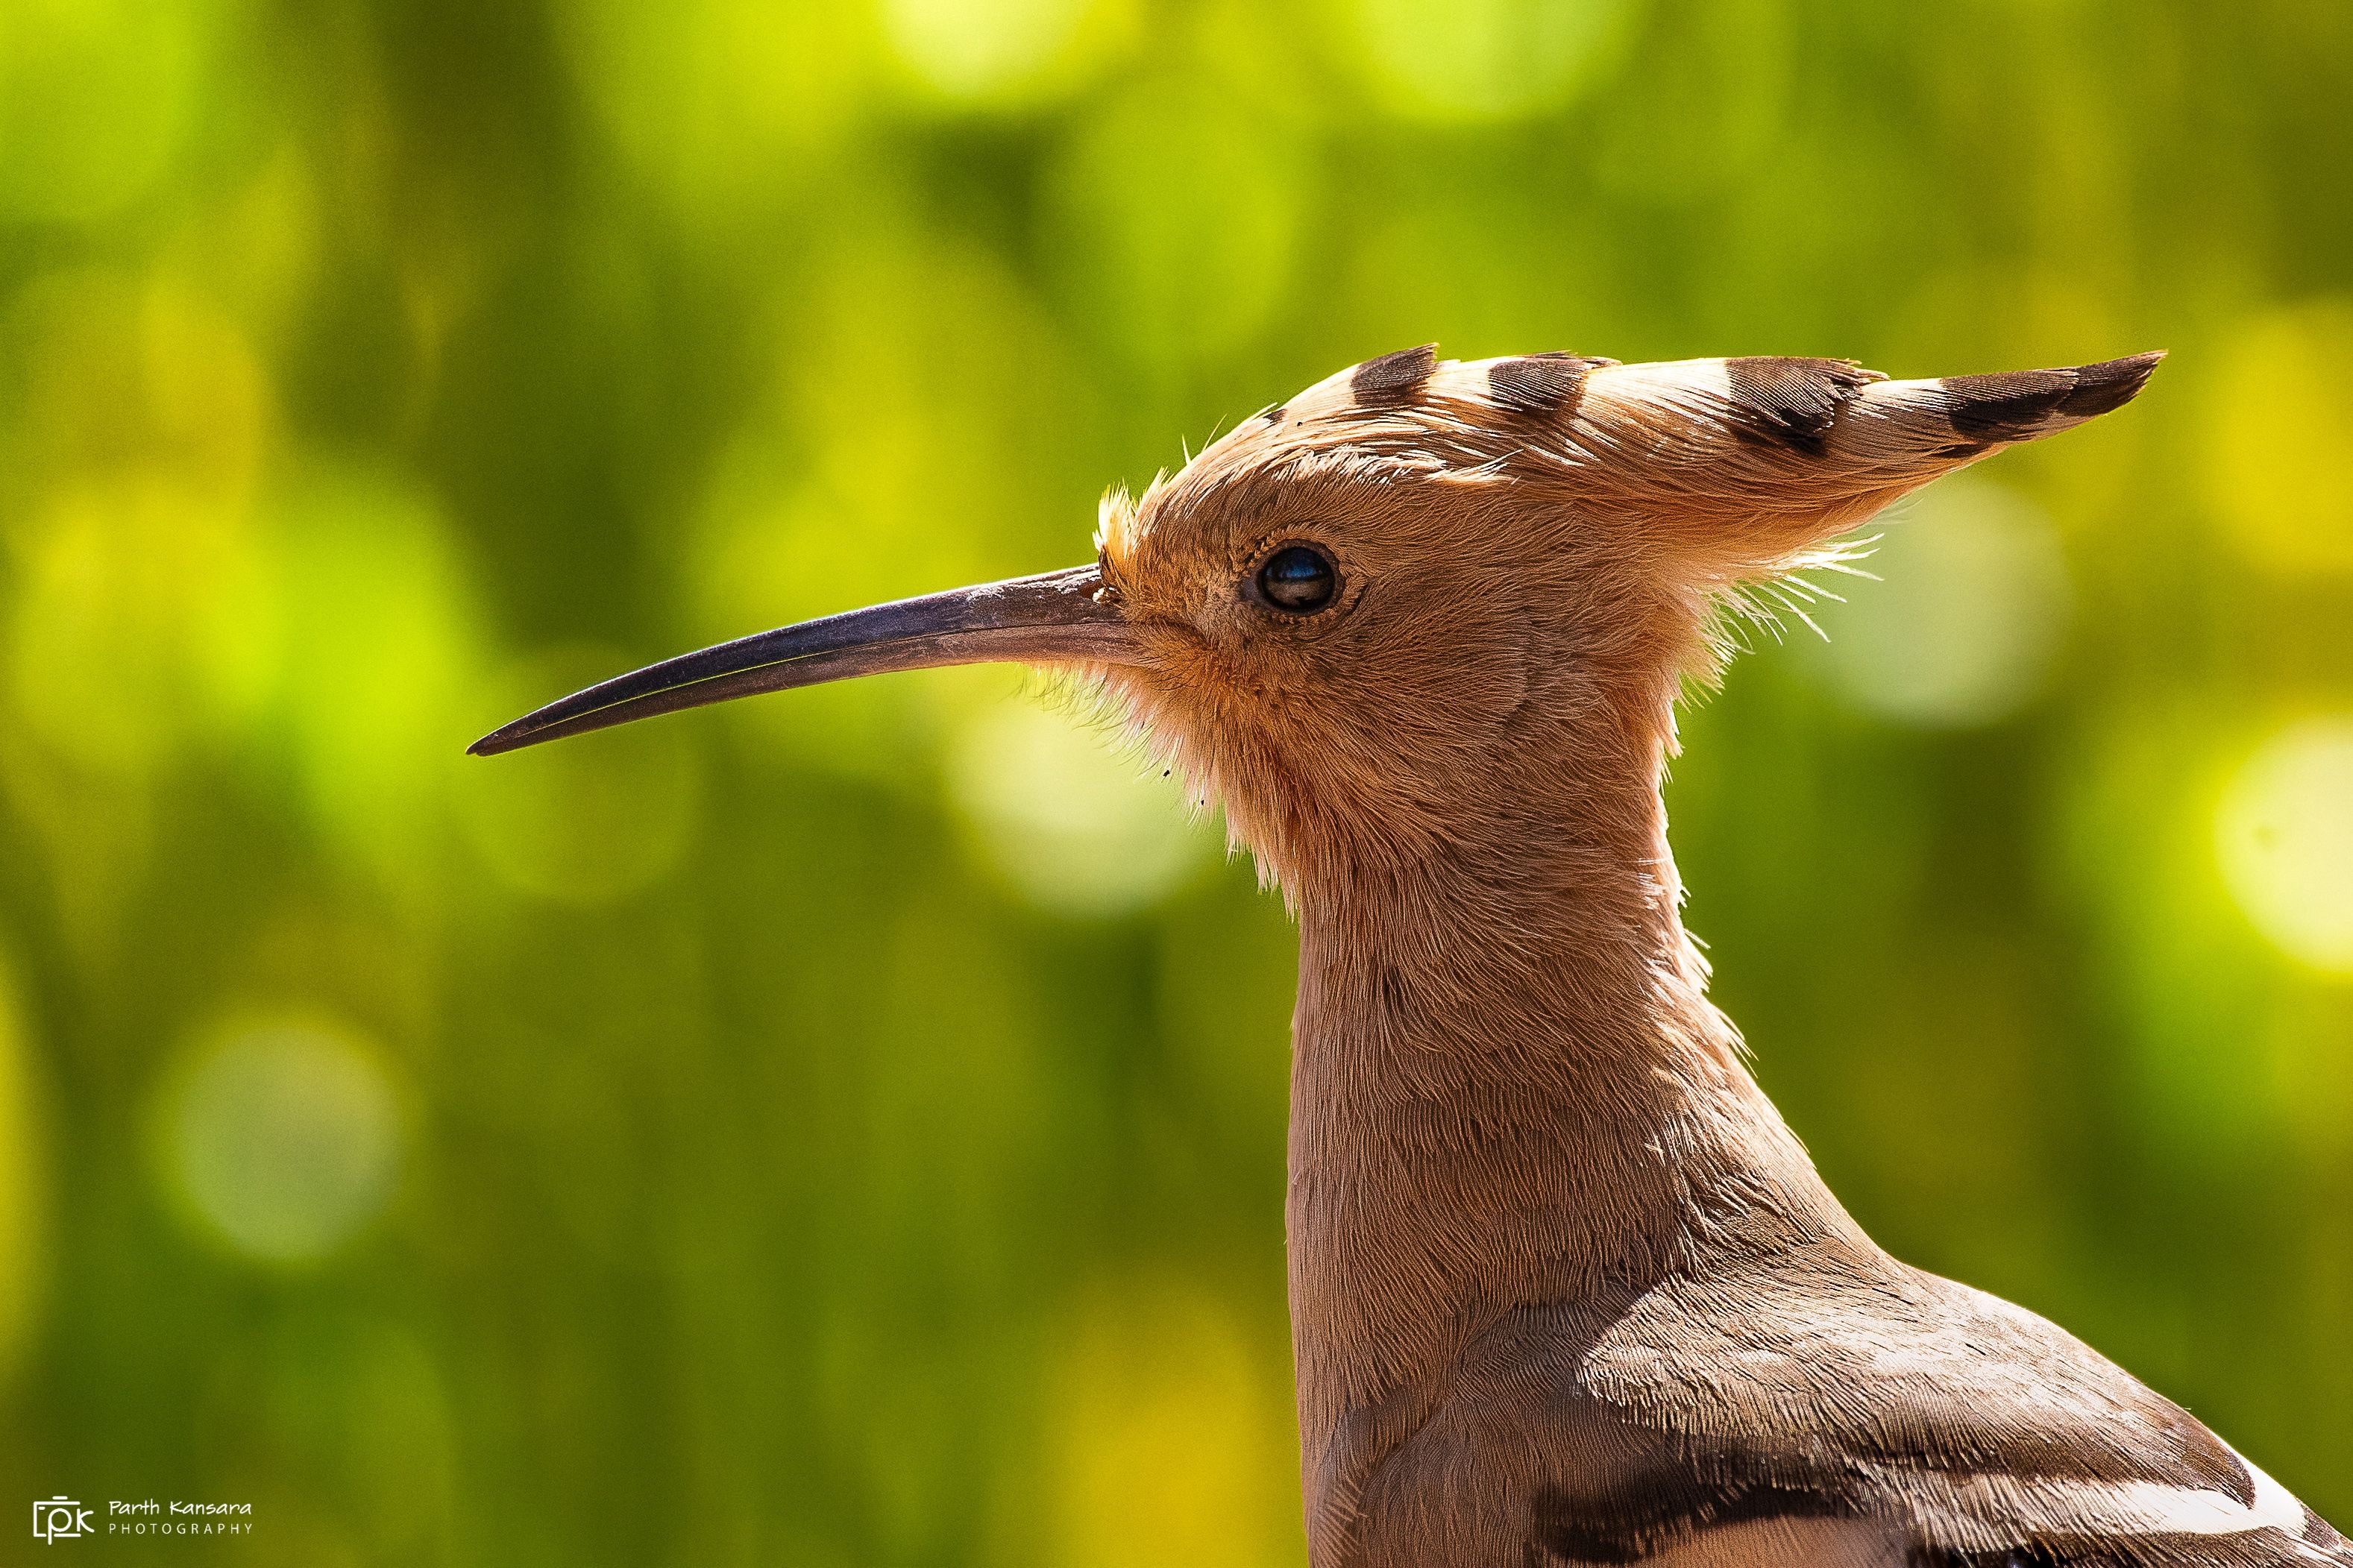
x,y
1422,582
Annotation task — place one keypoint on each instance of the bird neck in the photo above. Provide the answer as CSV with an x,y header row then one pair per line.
x,y
1508,1089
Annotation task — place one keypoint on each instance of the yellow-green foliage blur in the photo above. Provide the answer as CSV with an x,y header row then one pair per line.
x,y
846,1128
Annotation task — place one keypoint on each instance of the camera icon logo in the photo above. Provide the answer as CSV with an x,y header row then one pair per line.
x,y
59,1519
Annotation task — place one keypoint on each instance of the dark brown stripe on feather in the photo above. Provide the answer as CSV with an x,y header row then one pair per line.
x,y
2008,406
2209,1458
2109,384
1547,384
1647,1490
1634,1520
1793,402
2014,405
1394,378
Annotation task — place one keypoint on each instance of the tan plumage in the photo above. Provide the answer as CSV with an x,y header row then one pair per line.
x,y
1565,1289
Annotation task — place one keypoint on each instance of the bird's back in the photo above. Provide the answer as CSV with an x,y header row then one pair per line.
x,y
1811,1407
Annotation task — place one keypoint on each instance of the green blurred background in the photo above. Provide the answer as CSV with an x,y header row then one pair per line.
x,y
846,1128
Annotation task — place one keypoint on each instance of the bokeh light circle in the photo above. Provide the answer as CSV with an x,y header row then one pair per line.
x,y
1176,213
283,1137
2279,455
2284,838
1488,59
983,51
718,103
1968,612
587,819
1167,1437
96,99
1074,821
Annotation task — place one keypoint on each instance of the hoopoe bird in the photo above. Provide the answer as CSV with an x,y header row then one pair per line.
x,y
1565,1288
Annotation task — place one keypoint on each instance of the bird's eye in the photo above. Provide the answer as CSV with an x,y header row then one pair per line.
x,y
1299,578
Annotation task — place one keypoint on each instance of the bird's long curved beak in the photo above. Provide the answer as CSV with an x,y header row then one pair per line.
x,y
1060,618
